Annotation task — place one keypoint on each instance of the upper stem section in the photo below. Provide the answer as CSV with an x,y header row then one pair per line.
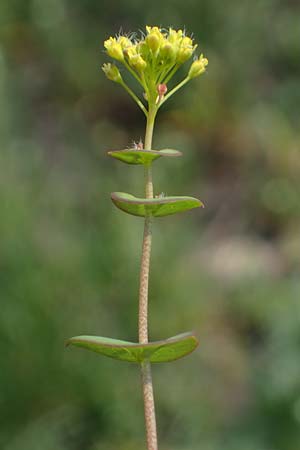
x,y
148,146
150,127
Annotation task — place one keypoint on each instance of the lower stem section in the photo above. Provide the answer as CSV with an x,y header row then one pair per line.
x,y
144,282
149,409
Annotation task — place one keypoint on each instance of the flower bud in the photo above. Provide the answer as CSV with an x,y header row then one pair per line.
x,y
162,89
138,63
168,52
198,67
153,41
112,72
184,54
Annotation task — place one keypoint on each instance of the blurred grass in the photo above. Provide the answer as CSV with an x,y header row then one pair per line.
x,y
69,260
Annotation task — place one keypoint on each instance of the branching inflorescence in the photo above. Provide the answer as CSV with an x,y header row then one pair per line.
x,y
153,59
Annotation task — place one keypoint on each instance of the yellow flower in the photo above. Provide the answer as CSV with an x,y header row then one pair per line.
x,y
125,42
175,36
198,67
131,51
155,30
114,49
186,42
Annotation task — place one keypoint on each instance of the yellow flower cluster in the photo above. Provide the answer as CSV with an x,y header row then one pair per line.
x,y
155,53
165,48
153,58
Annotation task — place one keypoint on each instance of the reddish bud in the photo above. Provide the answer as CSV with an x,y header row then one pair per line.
x,y
162,90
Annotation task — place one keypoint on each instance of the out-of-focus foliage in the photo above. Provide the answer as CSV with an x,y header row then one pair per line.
x,y
69,260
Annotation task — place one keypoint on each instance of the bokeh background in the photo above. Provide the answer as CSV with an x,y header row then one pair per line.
x,y
69,260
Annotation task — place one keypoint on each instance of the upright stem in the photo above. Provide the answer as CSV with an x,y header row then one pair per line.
x,y
147,386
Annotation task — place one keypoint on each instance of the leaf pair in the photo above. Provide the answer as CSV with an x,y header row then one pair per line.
x,y
136,156
159,351
156,207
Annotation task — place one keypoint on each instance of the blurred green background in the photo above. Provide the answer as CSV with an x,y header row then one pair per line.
x,y
69,260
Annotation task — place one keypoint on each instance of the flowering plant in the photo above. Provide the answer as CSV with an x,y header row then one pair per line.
x,y
152,60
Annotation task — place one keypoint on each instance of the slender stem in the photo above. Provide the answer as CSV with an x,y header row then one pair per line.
x,y
149,408
171,73
144,281
133,73
149,128
135,97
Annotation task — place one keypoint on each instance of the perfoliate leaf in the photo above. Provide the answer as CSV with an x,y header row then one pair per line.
x,y
159,351
156,207
136,156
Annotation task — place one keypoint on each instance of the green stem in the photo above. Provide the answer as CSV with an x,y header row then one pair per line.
x,y
135,98
170,73
147,386
150,127
133,73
